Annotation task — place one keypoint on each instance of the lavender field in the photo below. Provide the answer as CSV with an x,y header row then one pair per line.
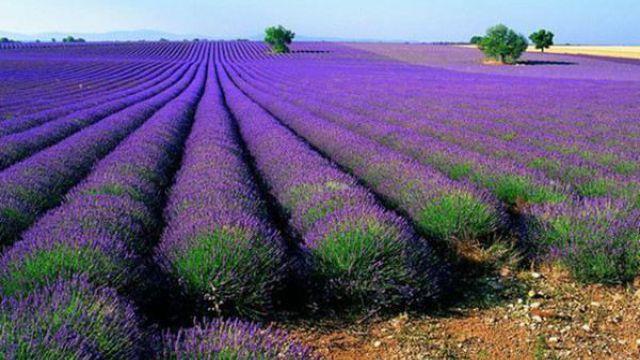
x,y
145,185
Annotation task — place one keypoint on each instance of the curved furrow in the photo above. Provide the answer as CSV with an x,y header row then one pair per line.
x,y
108,221
128,77
218,243
358,254
30,187
440,208
18,146
508,181
25,123
83,87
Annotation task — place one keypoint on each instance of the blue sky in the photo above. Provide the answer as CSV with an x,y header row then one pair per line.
x,y
576,21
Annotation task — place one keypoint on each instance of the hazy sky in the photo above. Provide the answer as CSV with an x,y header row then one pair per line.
x,y
578,21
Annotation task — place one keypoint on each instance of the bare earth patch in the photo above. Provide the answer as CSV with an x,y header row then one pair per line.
x,y
529,315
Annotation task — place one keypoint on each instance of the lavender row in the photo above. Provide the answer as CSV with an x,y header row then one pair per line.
x,y
561,160
597,239
20,124
585,178
511,183
440,208
218,243
22,97
593,237
81,89
70,320
358,253
32,186
21,145
231,339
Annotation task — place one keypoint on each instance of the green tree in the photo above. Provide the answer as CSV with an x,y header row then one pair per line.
x,y
279,37
503,44
476,40
542,39
71,39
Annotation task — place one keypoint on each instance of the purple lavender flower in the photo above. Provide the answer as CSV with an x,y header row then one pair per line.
x,y
232,339
30,187
359,254
112,215
218,243
69,319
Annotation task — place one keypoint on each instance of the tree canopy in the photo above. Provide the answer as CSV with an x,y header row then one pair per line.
x,y
503,44
279,37
542,39
475,40
71,39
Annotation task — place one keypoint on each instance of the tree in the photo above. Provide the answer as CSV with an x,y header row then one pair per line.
x,y
279,37
71,39
503,44
5,40
476,40
543,39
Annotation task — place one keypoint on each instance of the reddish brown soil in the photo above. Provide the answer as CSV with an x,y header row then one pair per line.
x,y
547,316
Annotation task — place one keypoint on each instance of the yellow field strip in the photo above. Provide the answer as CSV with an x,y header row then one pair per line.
x,y
629,52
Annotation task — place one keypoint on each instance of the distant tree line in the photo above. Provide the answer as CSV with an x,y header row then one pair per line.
x,y
4,40
71,39
503,44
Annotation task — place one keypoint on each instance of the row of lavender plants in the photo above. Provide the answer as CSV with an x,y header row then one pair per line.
x,y
218,243
594,237
442,209
18,146
67,285
85,88
567,155
132,83
100,233
36,184
356,253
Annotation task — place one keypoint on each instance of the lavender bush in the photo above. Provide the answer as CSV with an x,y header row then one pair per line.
x,y
232,339
69,320
359,254
218,243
